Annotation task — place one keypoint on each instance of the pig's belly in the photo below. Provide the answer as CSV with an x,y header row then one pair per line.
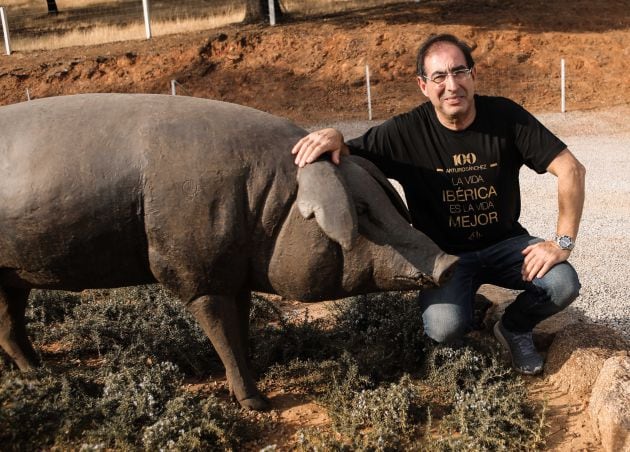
x,y
96,254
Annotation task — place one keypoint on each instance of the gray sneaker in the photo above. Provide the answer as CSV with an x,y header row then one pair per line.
x,y
525,357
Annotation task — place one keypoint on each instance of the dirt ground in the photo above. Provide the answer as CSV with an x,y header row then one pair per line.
x,y
313,71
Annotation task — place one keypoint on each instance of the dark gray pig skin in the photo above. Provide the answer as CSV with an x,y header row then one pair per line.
x,y
202,196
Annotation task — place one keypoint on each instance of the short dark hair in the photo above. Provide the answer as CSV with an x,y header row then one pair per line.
x,y
425,47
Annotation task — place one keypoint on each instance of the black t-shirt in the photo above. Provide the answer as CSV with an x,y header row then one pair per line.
x,y
462,187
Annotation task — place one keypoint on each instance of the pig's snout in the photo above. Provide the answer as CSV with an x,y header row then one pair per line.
x,y
444,268
413,280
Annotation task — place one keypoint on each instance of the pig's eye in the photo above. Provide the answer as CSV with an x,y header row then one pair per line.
x,y
361,208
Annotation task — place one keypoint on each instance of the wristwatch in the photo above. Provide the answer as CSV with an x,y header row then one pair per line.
x,y
564,242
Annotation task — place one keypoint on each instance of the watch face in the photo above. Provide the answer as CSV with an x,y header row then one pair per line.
x,y
565,242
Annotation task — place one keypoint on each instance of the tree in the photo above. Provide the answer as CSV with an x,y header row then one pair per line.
x,y
52,7
258,10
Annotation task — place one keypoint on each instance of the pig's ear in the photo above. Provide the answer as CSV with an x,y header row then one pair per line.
x,y
322,192
376,173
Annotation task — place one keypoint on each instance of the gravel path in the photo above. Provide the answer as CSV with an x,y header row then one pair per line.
x,y
601,141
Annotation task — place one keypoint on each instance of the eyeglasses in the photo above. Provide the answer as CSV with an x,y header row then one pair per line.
x,y
458,75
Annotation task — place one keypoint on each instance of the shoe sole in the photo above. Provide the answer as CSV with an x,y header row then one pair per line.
x,y
504,342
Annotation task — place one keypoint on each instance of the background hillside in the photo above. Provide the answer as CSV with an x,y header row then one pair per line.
x,y
311,68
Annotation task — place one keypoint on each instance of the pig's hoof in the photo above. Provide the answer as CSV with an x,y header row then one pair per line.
x,y
257,403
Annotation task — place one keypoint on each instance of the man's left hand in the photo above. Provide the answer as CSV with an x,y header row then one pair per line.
x,y
540,257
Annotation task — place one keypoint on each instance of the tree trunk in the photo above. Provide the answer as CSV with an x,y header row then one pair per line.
x,y
258,11
52,7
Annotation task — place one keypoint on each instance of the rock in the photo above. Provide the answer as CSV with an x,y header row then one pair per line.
x,y
577,355
610,404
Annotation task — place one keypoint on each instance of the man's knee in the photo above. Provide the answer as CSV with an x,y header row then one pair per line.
x,y
445,323
561,285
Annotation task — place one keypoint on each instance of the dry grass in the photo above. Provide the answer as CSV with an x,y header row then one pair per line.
x,y
113,33
311,7
90,22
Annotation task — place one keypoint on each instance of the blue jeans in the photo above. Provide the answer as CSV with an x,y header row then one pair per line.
x,y
448,310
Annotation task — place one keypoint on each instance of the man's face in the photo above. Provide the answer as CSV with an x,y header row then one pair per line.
x,y
453,98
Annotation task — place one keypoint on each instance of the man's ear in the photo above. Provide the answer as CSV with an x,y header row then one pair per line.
x,y
423,85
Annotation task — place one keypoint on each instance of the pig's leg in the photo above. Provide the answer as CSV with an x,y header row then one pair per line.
x,y
243,305
221,320
243,308
13,338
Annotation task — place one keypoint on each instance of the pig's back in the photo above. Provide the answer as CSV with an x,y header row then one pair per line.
x,y
75,173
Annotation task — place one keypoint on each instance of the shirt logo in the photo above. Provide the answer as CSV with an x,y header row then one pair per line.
x,y
464,159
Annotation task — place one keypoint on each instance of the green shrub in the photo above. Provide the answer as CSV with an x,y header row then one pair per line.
x,y
480,405
131,407
383,332
191,423
144,318
278,338
316,440
142,335
384,385
487,404
133,397
39,409
46,309
369,415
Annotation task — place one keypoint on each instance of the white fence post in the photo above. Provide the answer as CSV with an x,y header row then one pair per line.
x,y
147,18
173,90
5,30
369,93
28,95
272,13
562,89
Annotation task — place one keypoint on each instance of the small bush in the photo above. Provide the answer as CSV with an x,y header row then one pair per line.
x,y
47,308
39,409
193,424
144,318
133,397
142,336
369,415
134,406
316,440
481,405
383,332
385,386
277,338
486,402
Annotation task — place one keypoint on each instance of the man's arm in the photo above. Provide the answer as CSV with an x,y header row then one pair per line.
x,y
313,145
539,258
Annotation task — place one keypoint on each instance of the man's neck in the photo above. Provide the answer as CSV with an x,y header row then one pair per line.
x,y
457,123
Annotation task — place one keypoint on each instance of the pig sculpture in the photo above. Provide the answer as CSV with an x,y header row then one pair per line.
x,y
112,190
